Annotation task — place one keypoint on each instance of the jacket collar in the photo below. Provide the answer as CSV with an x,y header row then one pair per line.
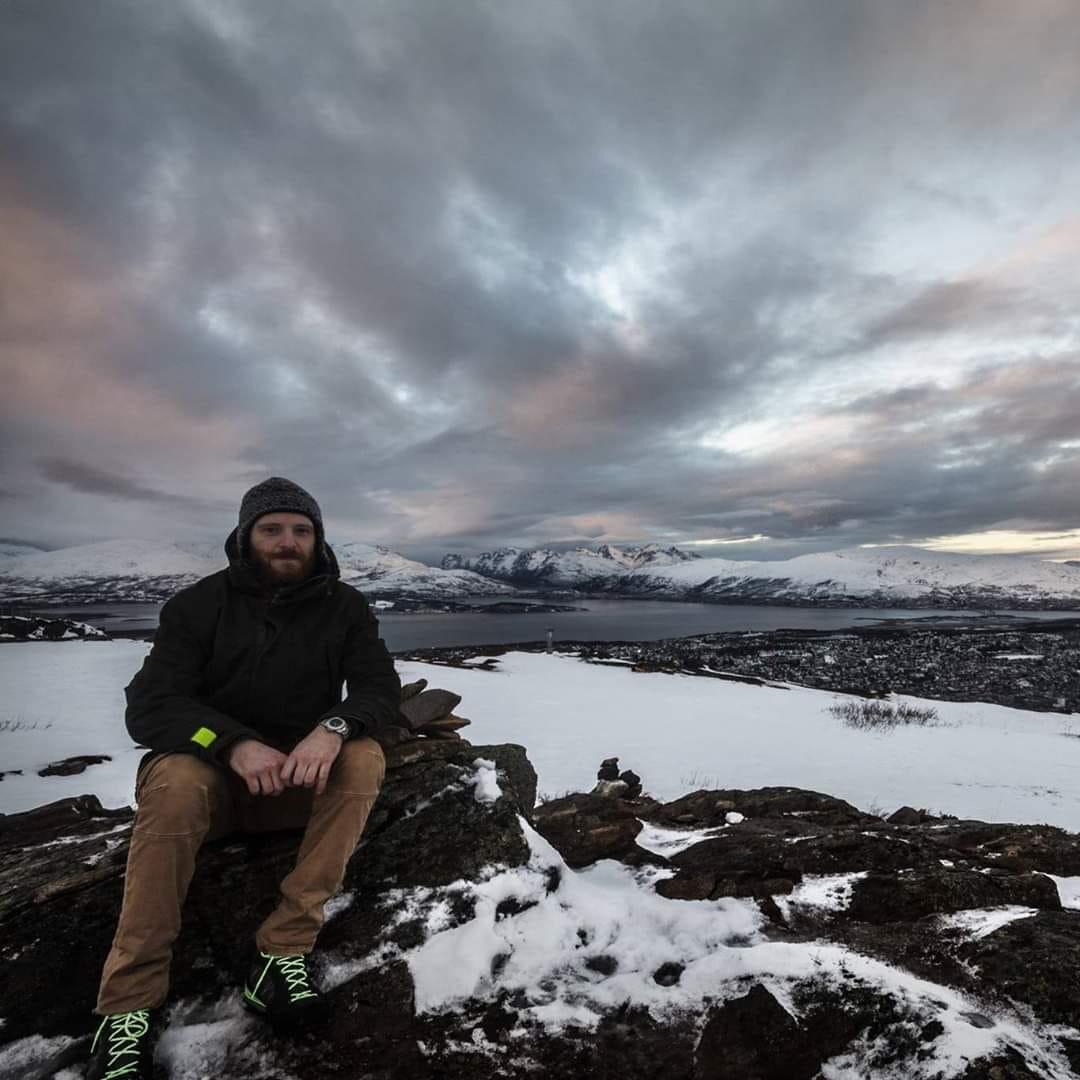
x,y
243,578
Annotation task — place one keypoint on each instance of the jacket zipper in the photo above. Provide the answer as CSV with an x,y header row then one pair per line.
x,y
261,643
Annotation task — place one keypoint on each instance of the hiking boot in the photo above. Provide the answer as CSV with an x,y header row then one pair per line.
x,y
280,988
123,1047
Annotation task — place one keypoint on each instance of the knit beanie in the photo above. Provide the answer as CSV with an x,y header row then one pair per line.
x,y
273,496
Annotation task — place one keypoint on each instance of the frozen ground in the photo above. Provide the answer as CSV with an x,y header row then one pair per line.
x,y
678,732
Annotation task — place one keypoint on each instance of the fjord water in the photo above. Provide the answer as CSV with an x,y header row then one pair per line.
x,y
602,620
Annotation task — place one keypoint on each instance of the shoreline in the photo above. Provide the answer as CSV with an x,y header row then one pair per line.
x,y
1018,663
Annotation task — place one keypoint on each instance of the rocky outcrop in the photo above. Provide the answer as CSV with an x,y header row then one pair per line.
x,y
449,849
585,828
39,628
61,878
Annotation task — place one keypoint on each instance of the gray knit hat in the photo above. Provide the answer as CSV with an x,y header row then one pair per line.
x,y
273,496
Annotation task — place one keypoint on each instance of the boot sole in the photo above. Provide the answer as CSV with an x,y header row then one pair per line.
x,y
308,1015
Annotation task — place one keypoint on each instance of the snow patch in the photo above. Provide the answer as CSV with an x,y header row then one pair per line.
x,y
978,923
1068,890
486,782
668,842
820,892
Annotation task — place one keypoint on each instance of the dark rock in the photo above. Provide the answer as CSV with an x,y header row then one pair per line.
x,y
906,815
72,766
457,834
584,828
1072,1052
66,816
410,690
632,782
1009,1065
11,772
628,1044
882,897
515,770
429,705
771,910
756,865
610,789
511,906
609,769
668,974
497,1022
602,965
755,1038
1015,847
1045,977
705,808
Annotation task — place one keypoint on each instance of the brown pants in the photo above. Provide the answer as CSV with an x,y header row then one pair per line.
x,y
183,801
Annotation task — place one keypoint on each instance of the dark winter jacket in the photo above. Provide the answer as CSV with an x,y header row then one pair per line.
x,y
232,660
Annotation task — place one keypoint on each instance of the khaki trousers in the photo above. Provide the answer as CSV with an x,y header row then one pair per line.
x,y
183,801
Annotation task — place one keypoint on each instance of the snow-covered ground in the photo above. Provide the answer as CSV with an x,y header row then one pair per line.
x,y
678,732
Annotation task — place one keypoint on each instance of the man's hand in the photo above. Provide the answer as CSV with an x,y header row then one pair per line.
x,y
259,766
309,763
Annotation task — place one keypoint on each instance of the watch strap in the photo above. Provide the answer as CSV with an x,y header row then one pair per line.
x,y
334,724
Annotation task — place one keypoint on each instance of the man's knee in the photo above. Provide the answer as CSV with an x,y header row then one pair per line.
x,y
177,795
360,768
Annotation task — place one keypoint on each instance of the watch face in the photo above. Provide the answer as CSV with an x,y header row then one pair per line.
x,y
337,725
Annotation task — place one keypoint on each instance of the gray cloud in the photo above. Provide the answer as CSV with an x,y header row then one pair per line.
x,y
480,275
91,481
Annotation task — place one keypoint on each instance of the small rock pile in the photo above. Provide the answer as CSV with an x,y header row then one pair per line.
x,y
430,713
615,784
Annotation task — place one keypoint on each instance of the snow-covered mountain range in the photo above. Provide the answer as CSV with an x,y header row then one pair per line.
x,y
862,577
128,569
581,568
146,570
14,547
875,577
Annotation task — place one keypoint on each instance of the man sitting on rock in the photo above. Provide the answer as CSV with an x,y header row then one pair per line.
x,y
239,701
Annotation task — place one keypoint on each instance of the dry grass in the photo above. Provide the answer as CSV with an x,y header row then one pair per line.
x,y
882,716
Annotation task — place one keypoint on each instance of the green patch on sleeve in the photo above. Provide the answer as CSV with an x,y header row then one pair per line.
x,y
204,737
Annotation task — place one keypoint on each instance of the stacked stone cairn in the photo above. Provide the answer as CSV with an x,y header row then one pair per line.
x,y
430,713
613,784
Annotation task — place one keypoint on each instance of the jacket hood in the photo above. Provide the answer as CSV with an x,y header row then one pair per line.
x,y
244,577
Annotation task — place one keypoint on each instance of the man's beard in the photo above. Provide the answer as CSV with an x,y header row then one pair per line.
x,y
276,570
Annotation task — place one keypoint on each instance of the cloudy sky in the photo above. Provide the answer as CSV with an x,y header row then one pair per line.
x,y
760,278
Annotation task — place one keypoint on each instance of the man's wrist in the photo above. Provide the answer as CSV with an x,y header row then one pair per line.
x,y
338,725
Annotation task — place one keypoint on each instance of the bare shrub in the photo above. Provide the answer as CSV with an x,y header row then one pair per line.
x,y
698,781
882,716
20,723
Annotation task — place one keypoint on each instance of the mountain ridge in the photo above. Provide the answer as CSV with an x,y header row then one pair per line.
x,y
900,575
131,569
134,570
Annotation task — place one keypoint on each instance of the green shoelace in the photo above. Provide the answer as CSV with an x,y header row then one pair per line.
x,y
295,971
124,1032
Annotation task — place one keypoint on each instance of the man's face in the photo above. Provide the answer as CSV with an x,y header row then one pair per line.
x,y
283,547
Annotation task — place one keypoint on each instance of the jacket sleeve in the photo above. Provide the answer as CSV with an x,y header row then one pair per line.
x,y
164,710
374,688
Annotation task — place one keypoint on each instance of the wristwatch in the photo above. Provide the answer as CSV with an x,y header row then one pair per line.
x,y
338,725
